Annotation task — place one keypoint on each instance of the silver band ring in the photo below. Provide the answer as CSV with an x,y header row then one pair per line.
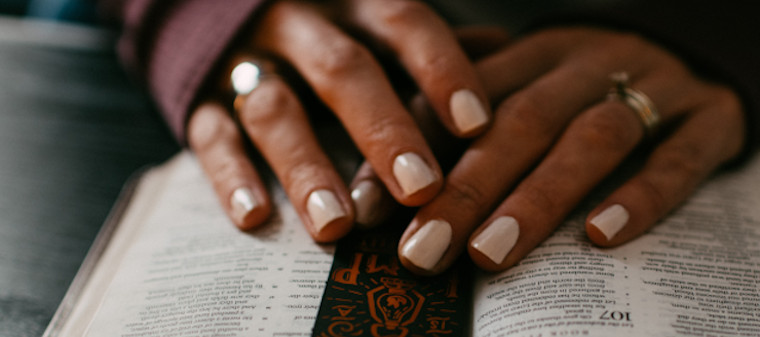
x,y
247,75
636,100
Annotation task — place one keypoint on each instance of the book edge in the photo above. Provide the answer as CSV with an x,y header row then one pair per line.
x,y
118,214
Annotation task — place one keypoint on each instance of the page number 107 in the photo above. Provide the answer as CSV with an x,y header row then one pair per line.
x,y
615,316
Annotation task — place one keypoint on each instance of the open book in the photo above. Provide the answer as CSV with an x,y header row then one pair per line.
x,y
174,266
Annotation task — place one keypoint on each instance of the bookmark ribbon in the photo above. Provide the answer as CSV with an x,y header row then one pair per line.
x,y
369,293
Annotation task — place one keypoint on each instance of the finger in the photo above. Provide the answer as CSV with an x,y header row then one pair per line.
x,y
590,149
430,52
217,143
525,127
524,130
349,80
705,140
276,123
517,65
481,41
481,179
372,201
540,53
594,144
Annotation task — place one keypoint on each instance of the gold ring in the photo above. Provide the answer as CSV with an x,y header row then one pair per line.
x,y
636,100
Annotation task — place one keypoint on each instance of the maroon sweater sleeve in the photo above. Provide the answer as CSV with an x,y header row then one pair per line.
x,y
174,44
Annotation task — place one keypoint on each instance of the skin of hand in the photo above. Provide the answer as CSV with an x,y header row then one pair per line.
x,y
477,42
343,72
555,136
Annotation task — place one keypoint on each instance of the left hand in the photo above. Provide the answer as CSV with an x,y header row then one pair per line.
x,y
555,137
331,46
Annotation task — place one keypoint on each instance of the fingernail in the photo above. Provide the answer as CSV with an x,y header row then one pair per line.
x,y
611,220
367,197
426,247
497,240
242,202
323,208
412,173
467,111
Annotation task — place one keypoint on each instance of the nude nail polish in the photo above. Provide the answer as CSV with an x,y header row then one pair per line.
x,y
367,197
498,239
467,111
412,173
611,220
323,208
242,203
426,247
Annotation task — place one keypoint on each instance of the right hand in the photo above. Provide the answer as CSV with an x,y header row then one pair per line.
x,y
346,76
556,135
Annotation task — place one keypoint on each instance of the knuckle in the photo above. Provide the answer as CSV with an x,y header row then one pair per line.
x,y
610,48
727,114
302,175
266,104
438,67
546,40
683,160
227,169
527,117
627,41
734,114
602,131
622,43
727,100
341,57
382,129
536,198
404,11
655,196
207,127
466,193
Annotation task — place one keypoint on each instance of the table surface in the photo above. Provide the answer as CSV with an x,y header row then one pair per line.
x,y
73,128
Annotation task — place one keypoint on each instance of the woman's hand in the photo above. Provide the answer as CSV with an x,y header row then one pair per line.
x,y
312,38
555,136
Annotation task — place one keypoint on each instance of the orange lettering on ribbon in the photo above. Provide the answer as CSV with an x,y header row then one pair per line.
x,y
390,269
349,275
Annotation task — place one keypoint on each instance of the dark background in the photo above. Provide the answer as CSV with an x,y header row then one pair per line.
x,y
73,128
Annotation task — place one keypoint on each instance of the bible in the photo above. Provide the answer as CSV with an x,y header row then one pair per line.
x,y
169,263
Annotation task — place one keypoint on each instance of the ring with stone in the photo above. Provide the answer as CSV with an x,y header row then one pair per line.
x,y
247,75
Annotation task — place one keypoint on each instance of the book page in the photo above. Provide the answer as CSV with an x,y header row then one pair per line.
x,y
697,273
103,258
190,272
